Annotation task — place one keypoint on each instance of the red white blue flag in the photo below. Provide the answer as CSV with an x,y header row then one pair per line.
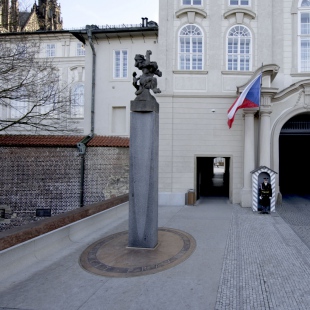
x,y
249,98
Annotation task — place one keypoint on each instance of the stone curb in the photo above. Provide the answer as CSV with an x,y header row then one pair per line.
x,y
29,231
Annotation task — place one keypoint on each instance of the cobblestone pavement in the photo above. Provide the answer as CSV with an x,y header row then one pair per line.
x,y
267,259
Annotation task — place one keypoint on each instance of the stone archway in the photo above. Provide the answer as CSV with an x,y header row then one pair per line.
x,y
293,146
286,147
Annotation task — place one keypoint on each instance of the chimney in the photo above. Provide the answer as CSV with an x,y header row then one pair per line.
x,y
144,21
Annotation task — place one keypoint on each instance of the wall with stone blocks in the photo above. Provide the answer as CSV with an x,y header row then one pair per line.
x,y
49,177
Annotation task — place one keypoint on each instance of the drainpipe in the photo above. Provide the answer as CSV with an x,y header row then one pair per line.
x,y
82,151
83,144
89,35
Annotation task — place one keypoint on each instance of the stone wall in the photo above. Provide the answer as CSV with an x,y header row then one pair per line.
x,y
49,177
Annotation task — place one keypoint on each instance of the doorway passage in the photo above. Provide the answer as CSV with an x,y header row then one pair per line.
x,y
212,176
294,166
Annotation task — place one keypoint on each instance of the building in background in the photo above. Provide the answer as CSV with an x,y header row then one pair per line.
x,y
44,16
67,55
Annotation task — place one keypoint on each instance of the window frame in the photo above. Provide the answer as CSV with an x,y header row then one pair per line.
x,y
191,4
50,50
239,54
303,65
123,68
75,107
191,53
49,106
18,109
239,3
80,50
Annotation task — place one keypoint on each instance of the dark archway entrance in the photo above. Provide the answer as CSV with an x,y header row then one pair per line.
x,y
212,177
294,166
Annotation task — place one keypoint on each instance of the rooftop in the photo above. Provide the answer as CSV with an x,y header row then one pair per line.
x,y
61,141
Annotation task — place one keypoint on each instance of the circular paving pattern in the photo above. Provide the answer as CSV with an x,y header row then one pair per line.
x,y
111,257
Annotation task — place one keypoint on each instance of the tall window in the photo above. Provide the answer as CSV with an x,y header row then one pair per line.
x,y
304,36
191,2
80,50
19,105
239,2
18,109
239,49
120,64
77,101
48,101
191,48
50,50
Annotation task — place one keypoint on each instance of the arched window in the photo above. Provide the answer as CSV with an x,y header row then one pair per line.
x,y
305,3
77,101
304,36
191,48
239,49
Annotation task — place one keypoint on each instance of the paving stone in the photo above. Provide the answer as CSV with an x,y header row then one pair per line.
x,y
267,259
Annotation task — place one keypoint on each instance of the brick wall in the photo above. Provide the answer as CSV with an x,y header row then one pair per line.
x,y
49,177
106,173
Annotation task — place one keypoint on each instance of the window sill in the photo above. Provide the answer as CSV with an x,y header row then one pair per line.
x,y
201,72
300,74
233,72
121,79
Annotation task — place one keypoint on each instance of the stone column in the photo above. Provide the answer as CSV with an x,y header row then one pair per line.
x,y
249,157
143,174
264,138
294,23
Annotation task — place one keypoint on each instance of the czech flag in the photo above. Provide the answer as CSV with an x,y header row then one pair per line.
x,y
249,98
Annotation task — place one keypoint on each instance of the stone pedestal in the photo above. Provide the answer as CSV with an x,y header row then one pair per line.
x,y
143,174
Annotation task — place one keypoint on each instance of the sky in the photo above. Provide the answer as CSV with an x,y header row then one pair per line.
x,y
79,13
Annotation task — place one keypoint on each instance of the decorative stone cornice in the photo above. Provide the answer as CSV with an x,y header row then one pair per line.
x,y
239,13
270,70
191,13
303,85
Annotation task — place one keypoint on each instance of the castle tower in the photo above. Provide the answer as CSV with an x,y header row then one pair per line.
x,y
46,15
49,14
14,17
4,15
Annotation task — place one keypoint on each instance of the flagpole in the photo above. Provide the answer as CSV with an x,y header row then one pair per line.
x,y
259,118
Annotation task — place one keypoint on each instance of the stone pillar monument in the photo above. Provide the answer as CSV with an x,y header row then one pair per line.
x,y
143,173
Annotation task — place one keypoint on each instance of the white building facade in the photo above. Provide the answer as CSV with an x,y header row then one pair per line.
x,y
64,52
208,50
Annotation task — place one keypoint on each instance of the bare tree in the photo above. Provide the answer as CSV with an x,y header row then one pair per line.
x,y
32,95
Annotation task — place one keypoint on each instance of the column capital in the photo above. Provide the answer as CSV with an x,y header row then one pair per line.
x,y
269,91
266,96
250,111
265,110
